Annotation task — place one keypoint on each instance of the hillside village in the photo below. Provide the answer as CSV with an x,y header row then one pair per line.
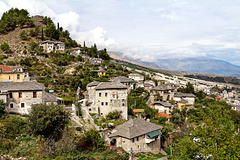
x,y
135,109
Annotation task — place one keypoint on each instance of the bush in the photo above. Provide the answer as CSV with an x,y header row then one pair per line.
x,y
23,35
78,128
91,141
5,47
114,115
3,106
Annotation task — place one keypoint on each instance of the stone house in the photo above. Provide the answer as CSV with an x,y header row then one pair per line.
x,y
136,77
20,96
137,135
49,98
161,106
126,81
181,104
13,74
101,72
189,97
76,51
105,97
95,61
52,46
148,85
166,91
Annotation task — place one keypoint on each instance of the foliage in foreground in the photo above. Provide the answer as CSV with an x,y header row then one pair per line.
x,y
216,136
48,120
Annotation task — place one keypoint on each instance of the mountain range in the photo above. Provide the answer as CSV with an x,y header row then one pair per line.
x,y
193,65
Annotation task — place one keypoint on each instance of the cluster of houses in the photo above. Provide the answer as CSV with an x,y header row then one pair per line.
x,y
137,134
19,92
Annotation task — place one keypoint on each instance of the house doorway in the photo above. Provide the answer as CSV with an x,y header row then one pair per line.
x,y
113,142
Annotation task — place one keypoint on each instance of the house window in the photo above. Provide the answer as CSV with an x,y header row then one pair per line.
x,y
22,105
133,140
18,76
105,94
10,95
89,109
106,103
11,105
137,138
101,113
34,94
102,103
100,94
138,146
123,104
20,95
9,77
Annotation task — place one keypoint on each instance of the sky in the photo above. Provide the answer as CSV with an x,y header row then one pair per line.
x,y
147,29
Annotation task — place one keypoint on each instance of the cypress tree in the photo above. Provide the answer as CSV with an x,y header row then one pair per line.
x,y
42,38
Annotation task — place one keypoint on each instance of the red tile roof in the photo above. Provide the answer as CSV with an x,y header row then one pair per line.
x,y
162,114
6,68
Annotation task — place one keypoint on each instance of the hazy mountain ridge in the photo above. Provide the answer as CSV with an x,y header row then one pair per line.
x,y
193,65
199,65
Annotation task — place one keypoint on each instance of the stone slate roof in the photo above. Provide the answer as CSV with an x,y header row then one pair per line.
x,y
136,75
134,128
49,97
179,94
122,79
165,104
183,101
94,83
163,87
21,86
110,85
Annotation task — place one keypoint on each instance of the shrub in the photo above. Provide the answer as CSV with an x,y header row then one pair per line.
x,y
5,47
114,115
23,35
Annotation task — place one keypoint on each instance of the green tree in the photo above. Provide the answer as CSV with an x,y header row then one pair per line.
x,y
33,46
114,115
5,47
91,141
216,137
15,18
42,36
48,120
51,31
3,106
23,35
188,89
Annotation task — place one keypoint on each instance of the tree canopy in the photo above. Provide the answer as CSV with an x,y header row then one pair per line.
x,y
215,135
48,120
15,18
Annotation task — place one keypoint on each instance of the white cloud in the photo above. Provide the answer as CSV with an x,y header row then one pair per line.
x,y
69,20
147,30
